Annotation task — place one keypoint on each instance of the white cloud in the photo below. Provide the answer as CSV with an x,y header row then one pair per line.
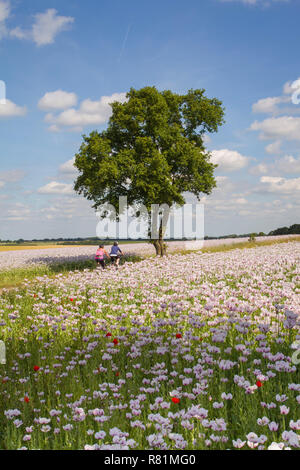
x,y
57,100
18,212
4,10
241,201
11,176
68,167
68,208
224,185
271,179
268,105
260,169
47,25
288,164
284,127
68,170
206,139
274,184
45,28
10,109
56,188
274,147
290,87
296,92
90,113
4,15
18,33
228,160
13,211
272,105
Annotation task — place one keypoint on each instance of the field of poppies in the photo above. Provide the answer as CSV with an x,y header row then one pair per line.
x,y
76,255
191,351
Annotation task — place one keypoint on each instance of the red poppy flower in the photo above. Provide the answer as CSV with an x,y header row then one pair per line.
x,y
26,399
115,341
178,336
36,368
259,383
71,300
108,334
117,374
175,400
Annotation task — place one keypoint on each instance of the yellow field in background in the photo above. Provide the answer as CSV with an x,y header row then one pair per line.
x,y
38,247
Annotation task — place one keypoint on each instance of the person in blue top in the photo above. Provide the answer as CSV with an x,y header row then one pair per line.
x,y
115,254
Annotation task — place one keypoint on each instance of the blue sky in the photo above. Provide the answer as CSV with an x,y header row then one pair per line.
x,y
59,60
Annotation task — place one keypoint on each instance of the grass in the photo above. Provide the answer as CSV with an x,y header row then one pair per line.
x,y
15,277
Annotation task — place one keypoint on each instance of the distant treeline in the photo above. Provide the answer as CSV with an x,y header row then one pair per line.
x,y
292,230
234,235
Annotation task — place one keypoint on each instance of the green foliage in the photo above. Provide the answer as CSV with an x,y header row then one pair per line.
x,y
252,237
292,230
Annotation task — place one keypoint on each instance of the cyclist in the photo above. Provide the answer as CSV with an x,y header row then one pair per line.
x,y
115,254
99,257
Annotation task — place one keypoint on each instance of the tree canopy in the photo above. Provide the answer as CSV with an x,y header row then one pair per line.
x,y
152,151
292,230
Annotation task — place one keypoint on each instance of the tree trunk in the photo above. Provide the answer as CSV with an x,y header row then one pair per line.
x,y
157,247
159,244
163,247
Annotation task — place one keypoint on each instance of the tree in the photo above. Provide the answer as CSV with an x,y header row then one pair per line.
x,y
280,231
152,152
252,237
292,230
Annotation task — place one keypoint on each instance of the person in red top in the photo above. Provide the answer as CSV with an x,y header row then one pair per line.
x,y
99,257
